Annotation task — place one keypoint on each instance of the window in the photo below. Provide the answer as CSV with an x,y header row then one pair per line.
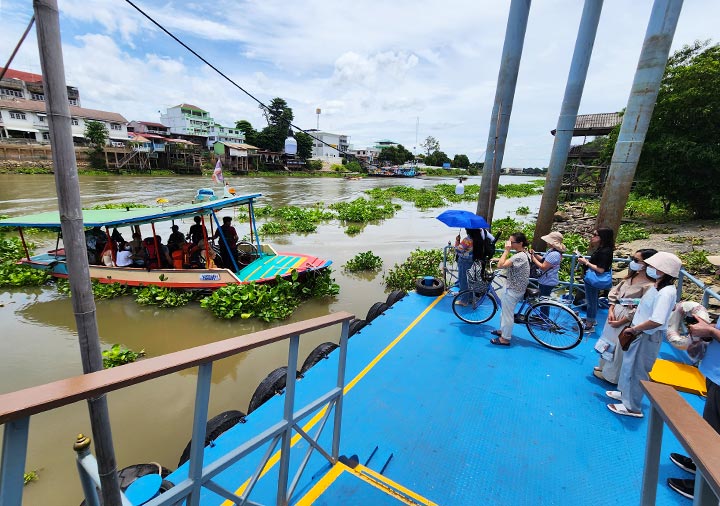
x,y
74,121
11,93
73,101
46,136
17,115
115,126
37,96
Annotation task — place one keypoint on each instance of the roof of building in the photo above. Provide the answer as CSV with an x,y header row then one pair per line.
x,y
150,123
28,77
189,106
236,145
595,124
22,104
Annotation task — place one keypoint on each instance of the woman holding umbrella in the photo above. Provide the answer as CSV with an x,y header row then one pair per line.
x,y
466,255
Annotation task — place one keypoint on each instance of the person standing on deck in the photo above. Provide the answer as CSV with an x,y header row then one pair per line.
x,y
229,245
197,232
649,325
710,367
517,269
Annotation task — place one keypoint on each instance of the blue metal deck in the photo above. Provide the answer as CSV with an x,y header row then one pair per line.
x,y
458,421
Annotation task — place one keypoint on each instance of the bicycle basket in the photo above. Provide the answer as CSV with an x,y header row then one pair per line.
x,y
477,279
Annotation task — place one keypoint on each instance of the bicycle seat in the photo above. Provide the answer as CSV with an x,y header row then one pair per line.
x,y
531,292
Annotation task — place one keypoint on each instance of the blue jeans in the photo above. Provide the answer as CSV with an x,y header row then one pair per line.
x,y
592,295
464,265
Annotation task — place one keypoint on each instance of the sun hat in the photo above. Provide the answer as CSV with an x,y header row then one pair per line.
x,y
714,259
555,240
665,262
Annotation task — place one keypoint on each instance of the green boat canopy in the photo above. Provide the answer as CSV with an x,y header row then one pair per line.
x,y
128,216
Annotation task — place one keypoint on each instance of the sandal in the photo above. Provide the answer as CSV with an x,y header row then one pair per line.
x,y
614,394
620,409
499,342
496,333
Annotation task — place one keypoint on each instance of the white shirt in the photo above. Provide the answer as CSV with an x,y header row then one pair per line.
x,y
656,306
123,259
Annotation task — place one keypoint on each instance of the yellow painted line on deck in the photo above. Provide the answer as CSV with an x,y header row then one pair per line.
x,y
277,266
318,416
377,480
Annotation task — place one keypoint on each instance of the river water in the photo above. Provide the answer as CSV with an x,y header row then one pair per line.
x,y
151,422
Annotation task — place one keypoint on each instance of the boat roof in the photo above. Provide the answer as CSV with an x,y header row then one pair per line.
x,y
119,217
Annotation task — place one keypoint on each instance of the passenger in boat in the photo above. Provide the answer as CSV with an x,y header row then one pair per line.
x,y
197,232
124,256
228,246
707,350
176,239
165,256
649,326
517,269
95,240
602,245
622,310
137,250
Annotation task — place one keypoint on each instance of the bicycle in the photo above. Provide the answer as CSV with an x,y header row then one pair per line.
x,y
549,322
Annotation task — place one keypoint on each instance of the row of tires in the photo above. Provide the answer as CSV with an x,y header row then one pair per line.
x,y
273,384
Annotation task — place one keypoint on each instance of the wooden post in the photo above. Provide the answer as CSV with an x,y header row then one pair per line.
x,y
71,221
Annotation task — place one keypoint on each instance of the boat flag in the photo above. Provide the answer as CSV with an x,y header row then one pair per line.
x,y
217,173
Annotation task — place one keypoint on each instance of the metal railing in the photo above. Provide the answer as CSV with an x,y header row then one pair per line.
x,y
16,408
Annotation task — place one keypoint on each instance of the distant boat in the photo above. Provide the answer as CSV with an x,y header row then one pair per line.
x,y
254,262
396,171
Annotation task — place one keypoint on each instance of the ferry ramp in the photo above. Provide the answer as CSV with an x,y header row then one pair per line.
x,y
435,414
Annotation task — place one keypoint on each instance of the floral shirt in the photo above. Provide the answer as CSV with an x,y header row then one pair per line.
x,y
518,273
465,248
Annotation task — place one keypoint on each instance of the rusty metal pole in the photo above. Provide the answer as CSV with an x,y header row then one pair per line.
x,y
649,73
71,221
566,121
504,94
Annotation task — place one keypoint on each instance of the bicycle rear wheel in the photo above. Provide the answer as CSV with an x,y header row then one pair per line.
x,y
473,306
554,325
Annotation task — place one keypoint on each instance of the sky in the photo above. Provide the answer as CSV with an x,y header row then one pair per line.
x,y
400,70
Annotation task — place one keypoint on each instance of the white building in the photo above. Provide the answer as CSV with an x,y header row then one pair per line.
x,y
219,133
330,147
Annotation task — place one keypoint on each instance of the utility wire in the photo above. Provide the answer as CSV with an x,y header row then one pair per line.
x,y
17,47
206,62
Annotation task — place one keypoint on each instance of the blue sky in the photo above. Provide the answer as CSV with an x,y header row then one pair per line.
x,y
373,68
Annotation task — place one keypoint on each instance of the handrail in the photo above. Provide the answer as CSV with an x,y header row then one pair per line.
x,y
698,438
30,401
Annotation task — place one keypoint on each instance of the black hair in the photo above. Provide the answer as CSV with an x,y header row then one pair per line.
x,y
607,237
521,238
476,236
645,253
664,280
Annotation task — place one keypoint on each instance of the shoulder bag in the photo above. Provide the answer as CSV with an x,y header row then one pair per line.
x,y
625,338
601,281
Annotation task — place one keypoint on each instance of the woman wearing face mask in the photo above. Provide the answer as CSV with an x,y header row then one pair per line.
x,y
649,325
602,244
622,310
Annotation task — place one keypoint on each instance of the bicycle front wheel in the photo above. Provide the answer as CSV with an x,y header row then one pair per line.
x,y
473,306
554,325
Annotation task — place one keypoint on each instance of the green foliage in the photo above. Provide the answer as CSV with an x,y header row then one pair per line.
x,y
337,167
681,153
430,144
108,290
269,302
161,296
273,228
366,261
395,155
353,166
30,477
631,232
646,208
362,210
314,165
420,263
520,190
97,133
12,274
505,227
696,261
279,116
293,219
251,135
119,205
119,355
437,159
692,240
353,230
62,285
304,145
461,162
11,249
522,210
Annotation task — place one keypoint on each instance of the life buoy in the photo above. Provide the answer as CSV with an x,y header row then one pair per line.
x,y
677,331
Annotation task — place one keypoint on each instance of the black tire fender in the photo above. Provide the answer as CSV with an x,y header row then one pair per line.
x,y
214,427
320,352
376,310
395,296
127,475
356,326
437,287
274,383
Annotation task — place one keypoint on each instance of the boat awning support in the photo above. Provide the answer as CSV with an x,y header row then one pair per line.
x,y
227,246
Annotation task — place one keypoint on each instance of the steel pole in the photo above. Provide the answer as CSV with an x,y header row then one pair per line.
x,y
649,73
504,94
68,191
566,121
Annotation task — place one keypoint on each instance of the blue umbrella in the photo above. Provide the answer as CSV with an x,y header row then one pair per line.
x,y
462,219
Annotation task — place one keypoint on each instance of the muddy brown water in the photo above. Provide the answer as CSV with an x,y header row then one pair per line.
x,y
151,422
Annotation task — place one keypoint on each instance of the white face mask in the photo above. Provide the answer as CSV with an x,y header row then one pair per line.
x,y
635,266
652,272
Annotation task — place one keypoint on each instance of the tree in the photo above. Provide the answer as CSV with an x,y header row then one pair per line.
x,y
278,116
395,155
461,162
97,134
437,159
305,145
681,153
431,145
251,135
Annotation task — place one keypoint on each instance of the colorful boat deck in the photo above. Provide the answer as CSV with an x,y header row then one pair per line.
x,y
435,414
267,267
